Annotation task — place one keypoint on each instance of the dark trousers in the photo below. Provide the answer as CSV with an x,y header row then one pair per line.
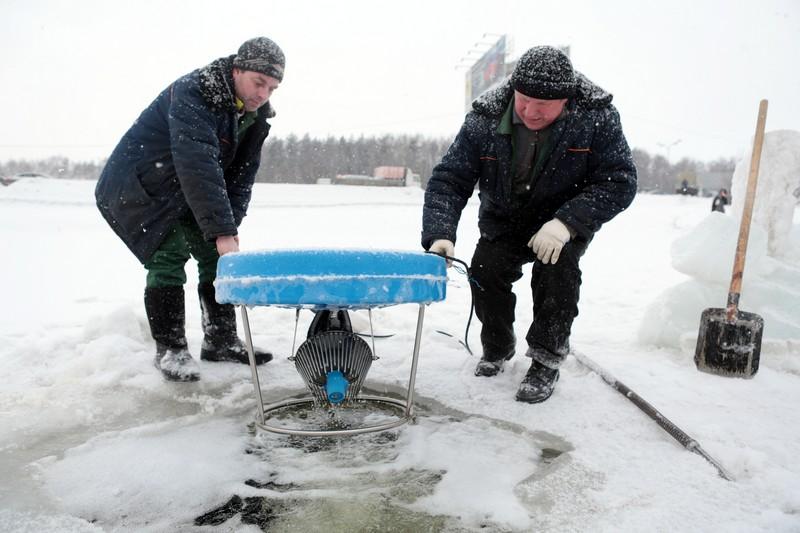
x,y
496,265
166,267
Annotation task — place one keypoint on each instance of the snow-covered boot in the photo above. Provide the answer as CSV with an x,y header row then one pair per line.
x,y
538,385
220,342
166,314
178,365
488,367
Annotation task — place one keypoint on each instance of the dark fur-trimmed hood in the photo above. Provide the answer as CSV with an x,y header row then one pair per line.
x,y
216,86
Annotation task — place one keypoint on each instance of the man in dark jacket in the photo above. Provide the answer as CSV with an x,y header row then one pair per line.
x,y
178,185
547,151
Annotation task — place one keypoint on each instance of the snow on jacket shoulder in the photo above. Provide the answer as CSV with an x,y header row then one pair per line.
x,y
587,180
182,155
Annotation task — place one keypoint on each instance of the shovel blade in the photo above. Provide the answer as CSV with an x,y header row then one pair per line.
x,y
728,348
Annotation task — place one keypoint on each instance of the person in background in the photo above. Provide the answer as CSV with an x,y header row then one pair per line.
x,y
547,151
720,201
178,184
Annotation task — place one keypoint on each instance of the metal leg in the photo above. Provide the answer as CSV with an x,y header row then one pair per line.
x,y
294,339
253,369
265,412
415,357
372,333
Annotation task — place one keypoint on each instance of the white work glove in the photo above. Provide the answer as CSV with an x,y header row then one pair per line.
x,y
549,240
443,247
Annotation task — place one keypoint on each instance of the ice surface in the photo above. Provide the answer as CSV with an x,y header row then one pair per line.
x,y
89,430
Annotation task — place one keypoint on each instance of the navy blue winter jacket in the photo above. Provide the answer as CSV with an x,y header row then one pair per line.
x,y
182,154
587,180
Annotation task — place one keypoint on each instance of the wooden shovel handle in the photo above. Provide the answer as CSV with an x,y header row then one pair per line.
x,y
747,215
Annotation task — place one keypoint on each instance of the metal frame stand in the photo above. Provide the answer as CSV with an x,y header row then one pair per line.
x,y
263,411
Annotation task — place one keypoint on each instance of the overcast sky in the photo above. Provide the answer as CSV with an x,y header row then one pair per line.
x,y
687,75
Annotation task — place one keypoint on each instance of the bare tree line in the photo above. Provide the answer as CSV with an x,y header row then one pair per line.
x,y
656,174
305,159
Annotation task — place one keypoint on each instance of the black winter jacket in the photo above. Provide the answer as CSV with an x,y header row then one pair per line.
x,y
182,154
587,180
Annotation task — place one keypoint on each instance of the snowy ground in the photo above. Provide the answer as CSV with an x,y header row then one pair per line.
x,y
92,439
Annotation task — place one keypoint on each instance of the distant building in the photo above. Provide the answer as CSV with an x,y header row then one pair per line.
x,y
383,176
403,176
354,179
8,180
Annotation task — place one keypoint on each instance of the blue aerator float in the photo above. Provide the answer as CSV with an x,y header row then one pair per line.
x,y
332,361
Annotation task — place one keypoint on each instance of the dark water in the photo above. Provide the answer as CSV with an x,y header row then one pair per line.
x,y
358,487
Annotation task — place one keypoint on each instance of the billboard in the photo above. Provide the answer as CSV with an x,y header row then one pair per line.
x,y
489,70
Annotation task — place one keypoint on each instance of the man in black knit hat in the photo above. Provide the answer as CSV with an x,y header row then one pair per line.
x,y
547,151
178,185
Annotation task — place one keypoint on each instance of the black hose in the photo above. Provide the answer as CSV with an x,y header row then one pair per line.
x,y
468,273
675,432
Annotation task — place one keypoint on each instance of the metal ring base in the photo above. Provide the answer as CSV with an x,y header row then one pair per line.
x,y
405,418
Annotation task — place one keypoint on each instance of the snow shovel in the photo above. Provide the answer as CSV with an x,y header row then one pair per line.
x,y
729,341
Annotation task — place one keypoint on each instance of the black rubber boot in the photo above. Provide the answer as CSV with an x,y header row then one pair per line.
x,y
220,342
166,314
538,385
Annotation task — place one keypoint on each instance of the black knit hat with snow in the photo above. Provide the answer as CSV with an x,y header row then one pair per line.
x,y
545,73
261,55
